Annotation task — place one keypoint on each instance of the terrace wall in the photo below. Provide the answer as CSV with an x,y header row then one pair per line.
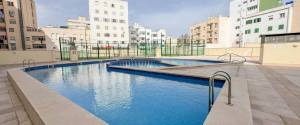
x,y
17,57
249,52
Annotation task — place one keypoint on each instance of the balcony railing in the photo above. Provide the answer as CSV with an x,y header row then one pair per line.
x,y
3,46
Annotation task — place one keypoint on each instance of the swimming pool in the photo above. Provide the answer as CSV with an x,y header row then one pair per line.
x,y
188,62
130,98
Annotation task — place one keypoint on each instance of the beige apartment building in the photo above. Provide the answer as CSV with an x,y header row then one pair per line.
x,y
213,32
18,26
296,16
77,30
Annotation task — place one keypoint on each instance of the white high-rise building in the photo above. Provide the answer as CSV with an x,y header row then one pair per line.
x,y
109,22
251,18
140,34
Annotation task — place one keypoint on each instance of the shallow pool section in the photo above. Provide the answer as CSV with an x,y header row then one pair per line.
x,y
188,62
124,98
139,63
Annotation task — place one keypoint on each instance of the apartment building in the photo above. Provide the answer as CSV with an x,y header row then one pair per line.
x,y
140,34
296,16
18,26
109,22
77,30
251,18
213,32
273,21
79,23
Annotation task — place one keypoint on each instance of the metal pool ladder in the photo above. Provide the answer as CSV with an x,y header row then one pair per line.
x,y
231,55
211,95
29,63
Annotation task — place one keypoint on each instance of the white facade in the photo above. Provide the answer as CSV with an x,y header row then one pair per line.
x,y
140,34
239,10
248,22
273,21
109,22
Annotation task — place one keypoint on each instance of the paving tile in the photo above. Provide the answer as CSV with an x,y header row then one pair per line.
x,y
22,115
7,117
12,122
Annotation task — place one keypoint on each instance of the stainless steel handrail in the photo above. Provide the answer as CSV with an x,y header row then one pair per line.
x,y
24,62
212,85
231,55
31,61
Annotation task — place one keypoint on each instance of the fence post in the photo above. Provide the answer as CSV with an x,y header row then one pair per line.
x,y
128,50
108,51
98,50
61,55
137,49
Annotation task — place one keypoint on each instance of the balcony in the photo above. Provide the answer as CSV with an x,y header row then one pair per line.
x,y
3,46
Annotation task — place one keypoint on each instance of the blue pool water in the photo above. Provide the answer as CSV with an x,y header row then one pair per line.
x,y
130,98
188,62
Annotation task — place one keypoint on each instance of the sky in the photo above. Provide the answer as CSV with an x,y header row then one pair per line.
x,y
173,15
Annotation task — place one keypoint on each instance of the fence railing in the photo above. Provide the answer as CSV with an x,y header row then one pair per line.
x,y
104,51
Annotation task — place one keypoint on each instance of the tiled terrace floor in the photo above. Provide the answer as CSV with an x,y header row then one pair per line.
x,y
274,93
11,110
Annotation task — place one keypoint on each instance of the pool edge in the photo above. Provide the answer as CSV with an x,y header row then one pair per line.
x,y
46,107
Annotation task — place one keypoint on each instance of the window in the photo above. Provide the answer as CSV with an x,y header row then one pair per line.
x,y
114,28
96,19
13,38
281,27
105,12
11,30
121,7
38,46
282,15
97,27
113,13
11,13
98,34
9,3
113,5
97,11
247,31
106,20
256,30
107,35
106,27
121,14
114,20
105,4
270,28
249,22
237,27
252,8
122,21
115,35
271,18
13,46
257,20
12,21
27,38
38,38
238,20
